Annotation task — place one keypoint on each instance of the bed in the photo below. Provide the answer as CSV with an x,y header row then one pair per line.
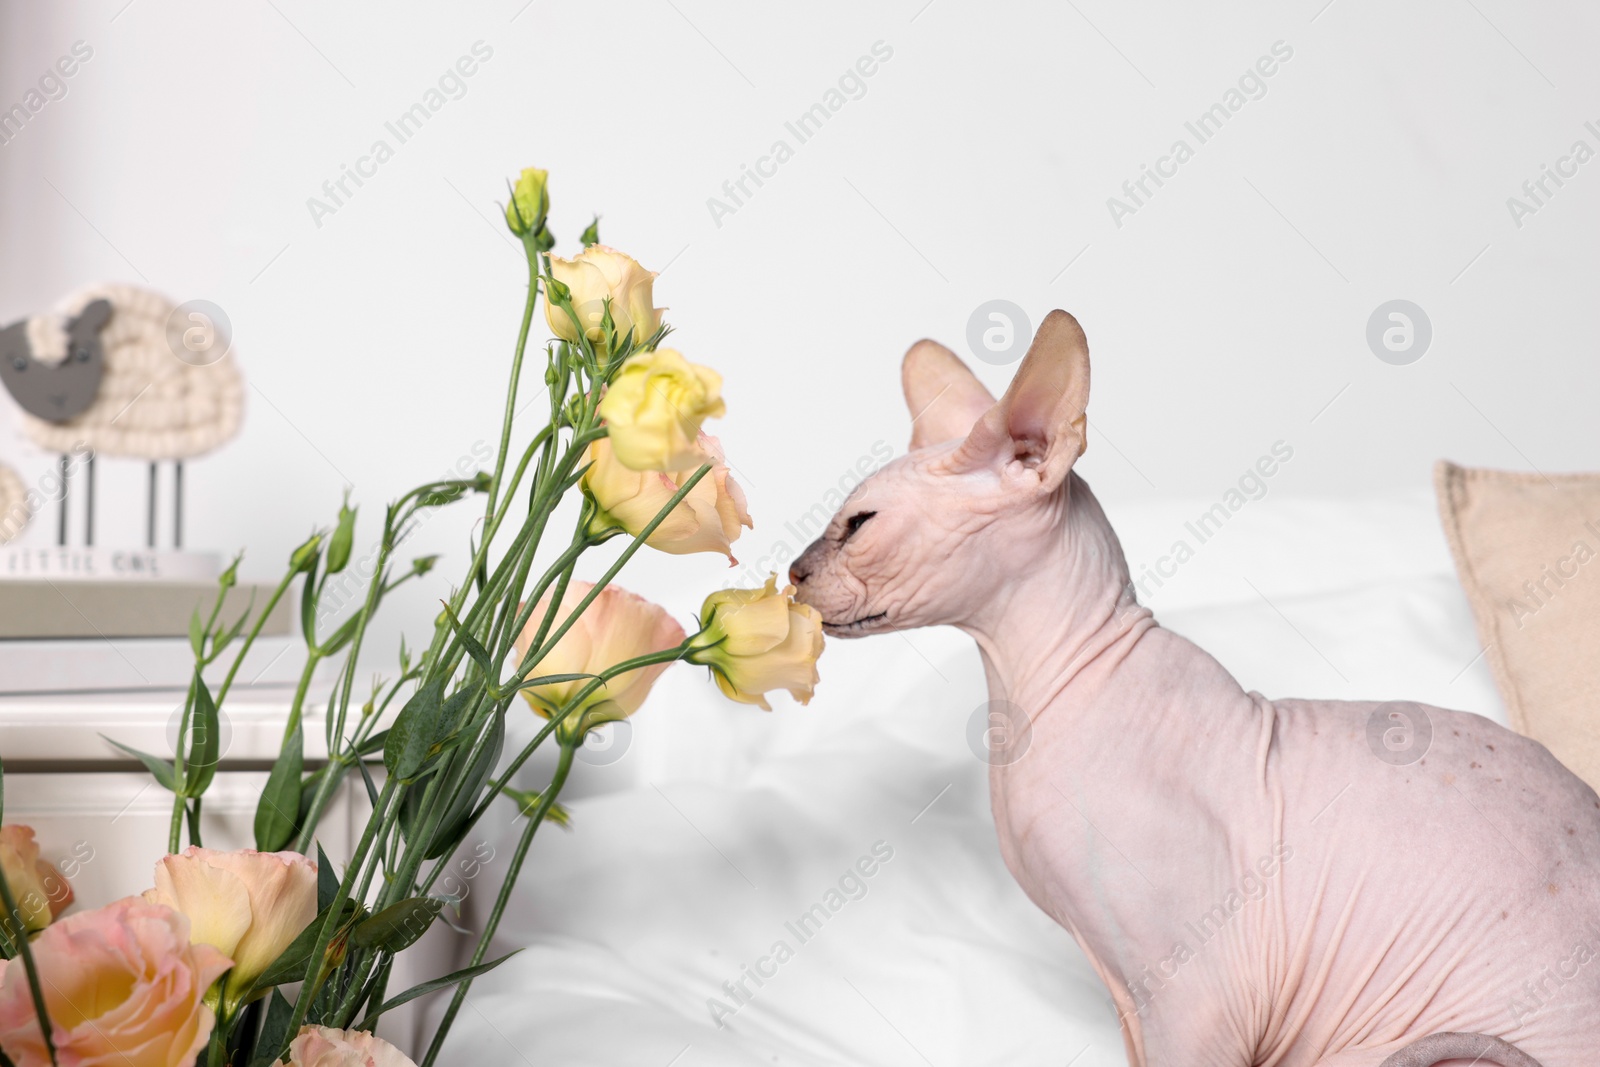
x,y
711,835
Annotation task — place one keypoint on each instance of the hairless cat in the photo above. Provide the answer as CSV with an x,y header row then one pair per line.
x,y
1252,880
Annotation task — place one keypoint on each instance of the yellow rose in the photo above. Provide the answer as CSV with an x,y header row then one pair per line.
x,y
323,1046
709,519
654,407
41,892
616,627
123,986
530,202
598,274
758,640
248,905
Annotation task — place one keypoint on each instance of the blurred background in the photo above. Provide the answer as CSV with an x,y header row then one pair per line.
x,y
935,157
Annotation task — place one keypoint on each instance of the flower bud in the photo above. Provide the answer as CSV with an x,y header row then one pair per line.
x,y
591,236
529,203
423,564
40,891
305,556
343,538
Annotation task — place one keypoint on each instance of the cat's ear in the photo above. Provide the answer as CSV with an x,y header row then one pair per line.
x,y
945,397
1042,419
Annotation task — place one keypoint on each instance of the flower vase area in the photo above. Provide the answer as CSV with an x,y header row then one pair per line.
x,y
281,952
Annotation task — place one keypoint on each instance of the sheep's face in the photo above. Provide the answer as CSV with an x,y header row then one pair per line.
x,y
56,392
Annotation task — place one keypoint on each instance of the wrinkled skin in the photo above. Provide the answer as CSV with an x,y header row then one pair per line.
x,y
1254,884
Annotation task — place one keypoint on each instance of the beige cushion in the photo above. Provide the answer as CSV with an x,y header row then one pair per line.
x,y
1527,548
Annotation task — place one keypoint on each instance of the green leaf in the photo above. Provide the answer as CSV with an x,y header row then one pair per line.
x,y
274,1036
423,726
414,731
374,743
366,780
398,926
463,975
233,632
279,808
455,819
205,741
160,768
341,637
327,880
474,647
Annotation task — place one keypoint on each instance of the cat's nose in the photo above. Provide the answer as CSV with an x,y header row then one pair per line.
x,y
798,574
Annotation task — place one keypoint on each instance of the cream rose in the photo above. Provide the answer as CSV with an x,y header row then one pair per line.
x,y
654,407
248,905
598,274
323,1046
758,640
616,627
124,988
40,890
709,519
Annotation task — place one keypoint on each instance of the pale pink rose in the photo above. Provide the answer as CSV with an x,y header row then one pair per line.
x,y
123,987
617,626
707,520
40,890
248,905
322,1046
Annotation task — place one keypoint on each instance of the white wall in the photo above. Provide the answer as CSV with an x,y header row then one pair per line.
x,y
1224,315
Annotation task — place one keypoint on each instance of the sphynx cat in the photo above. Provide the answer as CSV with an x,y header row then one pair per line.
x,y
1253,881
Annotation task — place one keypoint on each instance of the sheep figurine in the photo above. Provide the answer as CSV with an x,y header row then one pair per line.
x,y
117,370
14,511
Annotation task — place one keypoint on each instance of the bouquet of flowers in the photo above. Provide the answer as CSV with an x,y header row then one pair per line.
x,y
276,954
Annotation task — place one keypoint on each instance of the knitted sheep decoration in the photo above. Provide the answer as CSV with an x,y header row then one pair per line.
x,y
142,392
117,370
14,512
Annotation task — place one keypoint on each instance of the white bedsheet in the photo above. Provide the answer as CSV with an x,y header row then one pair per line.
x,y
724,825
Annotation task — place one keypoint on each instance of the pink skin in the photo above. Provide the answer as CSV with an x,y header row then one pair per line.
x,y
1362,912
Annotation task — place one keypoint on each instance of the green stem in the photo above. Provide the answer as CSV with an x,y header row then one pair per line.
x,y
194,823
546,799
175,826
17,931
511,395
312,659
382,817
255,631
